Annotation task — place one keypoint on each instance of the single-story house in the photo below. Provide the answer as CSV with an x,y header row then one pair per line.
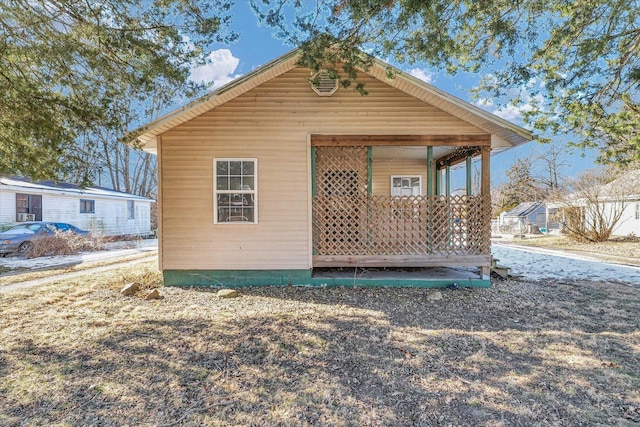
x,y
93,208
278,174
620,197
518,218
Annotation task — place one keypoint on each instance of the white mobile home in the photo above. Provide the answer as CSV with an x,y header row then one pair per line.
x,y
95,209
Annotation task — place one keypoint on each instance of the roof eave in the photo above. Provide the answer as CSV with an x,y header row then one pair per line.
x,y
154,128
514,134
523,133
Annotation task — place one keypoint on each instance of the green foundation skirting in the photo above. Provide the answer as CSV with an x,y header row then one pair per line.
x,y
240,278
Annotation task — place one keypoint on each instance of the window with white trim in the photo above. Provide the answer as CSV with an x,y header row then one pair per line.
x,y
87,206
235,195
131,209
406,185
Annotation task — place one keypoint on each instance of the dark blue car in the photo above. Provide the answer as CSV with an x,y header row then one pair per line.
x,y
19,237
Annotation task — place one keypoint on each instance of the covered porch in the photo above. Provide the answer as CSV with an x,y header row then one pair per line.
x,y
387,201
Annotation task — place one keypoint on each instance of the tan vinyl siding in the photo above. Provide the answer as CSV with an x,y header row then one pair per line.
x,y
271,123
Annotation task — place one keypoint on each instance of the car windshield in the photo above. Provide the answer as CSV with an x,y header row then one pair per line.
x,y
23,229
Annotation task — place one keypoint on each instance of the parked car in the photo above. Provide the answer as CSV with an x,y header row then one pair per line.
x,y
20,237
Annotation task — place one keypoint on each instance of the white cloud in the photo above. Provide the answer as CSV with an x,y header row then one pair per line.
x,y
511,112
515,102
220,69
422,73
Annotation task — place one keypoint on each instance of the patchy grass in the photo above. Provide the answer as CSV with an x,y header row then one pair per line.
x,y
520,353
10,276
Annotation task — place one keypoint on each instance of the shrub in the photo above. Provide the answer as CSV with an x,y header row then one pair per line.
x,y
65,244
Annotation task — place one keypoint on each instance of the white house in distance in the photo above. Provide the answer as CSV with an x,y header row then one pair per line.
x,y
620,196
95,209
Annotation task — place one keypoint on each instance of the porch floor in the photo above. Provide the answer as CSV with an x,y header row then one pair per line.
x,y
427,277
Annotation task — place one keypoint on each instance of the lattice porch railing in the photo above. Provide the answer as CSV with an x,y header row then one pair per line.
x,y
418,225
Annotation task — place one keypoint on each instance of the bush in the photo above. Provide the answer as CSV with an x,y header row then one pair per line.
x,y
65,244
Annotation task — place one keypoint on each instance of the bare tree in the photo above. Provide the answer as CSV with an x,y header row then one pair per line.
x,y
552,160
594,203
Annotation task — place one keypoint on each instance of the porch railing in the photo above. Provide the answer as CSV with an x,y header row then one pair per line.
x,y
416,225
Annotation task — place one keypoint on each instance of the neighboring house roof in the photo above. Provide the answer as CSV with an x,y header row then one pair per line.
x,y
506,134
524,209
629,182
25,184
624,188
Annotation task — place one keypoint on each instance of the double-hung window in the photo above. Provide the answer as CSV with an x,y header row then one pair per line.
x,y
235,195
87,206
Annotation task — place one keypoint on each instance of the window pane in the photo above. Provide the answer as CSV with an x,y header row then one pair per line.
x,y
223,214
35,202
235,183
247,183
247,168
237,199
248,214
235,168
22,203
223,183
222,168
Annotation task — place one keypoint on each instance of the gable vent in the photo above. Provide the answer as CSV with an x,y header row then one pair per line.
x,y
325,86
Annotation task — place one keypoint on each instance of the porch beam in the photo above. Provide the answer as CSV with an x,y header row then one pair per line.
x,y
401,261
481,140
457,158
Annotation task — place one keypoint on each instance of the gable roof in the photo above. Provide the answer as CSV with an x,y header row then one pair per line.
x,y
508,134
25,184
524,209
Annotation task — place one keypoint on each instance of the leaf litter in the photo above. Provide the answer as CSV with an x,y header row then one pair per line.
x,y
77,352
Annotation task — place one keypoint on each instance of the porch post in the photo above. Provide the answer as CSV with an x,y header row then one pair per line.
x,y
369,169
314,189
485,186
314,192
430,171
438,181
469,174
447,178
485,192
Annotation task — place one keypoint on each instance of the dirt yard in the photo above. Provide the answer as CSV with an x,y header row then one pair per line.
x,y
519,353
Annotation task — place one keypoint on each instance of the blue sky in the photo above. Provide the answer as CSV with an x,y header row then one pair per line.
x,y
257,45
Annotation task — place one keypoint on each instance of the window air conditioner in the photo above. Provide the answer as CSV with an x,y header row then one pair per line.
x,y
22,217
